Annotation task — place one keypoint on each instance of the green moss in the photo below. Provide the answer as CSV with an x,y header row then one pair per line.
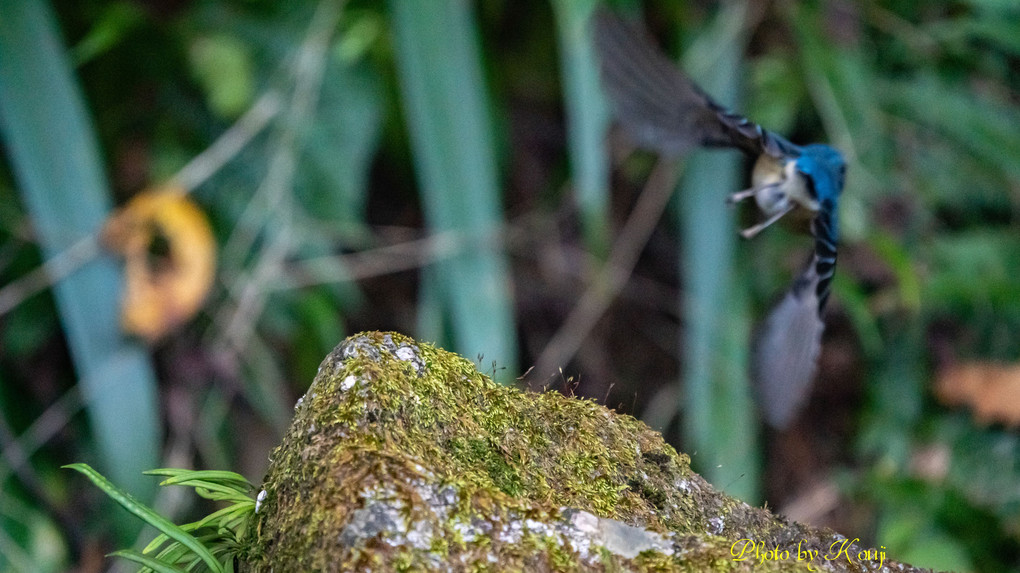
x,y
403,456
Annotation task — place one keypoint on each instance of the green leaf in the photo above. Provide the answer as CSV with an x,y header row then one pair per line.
x,y
356,38
440,72
230,518
116,21
223,67
587,118
210,484
148,515
223,518
53,151
213,476
146,561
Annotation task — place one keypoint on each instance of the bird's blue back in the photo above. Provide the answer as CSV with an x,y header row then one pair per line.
x,y
825,167
825,170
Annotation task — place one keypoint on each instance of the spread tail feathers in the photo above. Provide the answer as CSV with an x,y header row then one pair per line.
x,y
785,353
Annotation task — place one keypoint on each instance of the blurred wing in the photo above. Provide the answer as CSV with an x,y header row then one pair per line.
x,y
660,107
785,352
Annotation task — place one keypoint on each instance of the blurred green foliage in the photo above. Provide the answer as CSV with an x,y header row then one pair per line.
x,y
54,157
335,218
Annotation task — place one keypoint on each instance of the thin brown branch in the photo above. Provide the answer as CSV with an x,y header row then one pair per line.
x,y
370,263
250,290
196,172
49,273
614,274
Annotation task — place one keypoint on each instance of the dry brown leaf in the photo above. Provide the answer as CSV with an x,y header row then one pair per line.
x,y
170,260
991,390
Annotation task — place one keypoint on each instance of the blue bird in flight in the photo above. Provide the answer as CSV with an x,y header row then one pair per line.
x,y
664,111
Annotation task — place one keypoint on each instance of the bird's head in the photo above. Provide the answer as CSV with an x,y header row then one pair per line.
x,y
806,182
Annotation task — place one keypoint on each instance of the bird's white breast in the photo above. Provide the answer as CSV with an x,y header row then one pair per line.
x,y
779,183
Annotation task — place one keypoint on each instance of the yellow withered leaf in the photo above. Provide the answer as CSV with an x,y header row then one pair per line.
x,y
991,390
170,260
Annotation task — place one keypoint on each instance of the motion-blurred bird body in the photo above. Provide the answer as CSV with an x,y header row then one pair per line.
x,y
663,110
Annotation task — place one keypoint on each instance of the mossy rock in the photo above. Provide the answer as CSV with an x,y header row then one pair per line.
x,y
403,456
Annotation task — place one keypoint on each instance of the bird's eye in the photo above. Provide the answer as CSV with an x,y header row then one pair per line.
x,y
809,183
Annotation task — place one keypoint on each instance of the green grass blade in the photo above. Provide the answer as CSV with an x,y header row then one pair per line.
x,y
146,561
54,155
439,67
587,118
149,516
175,553
719,420
216,492
232,514
227,478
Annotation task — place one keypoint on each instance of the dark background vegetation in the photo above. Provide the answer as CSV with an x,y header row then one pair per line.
x,y
451,180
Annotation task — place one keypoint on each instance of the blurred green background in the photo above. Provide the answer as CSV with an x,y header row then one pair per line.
x,y
446,169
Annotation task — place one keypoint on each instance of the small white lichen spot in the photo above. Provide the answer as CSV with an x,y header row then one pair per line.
x,y
299,402
513,533
535,526
348,383
466,531
420,534
715,525
259,499
683,485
